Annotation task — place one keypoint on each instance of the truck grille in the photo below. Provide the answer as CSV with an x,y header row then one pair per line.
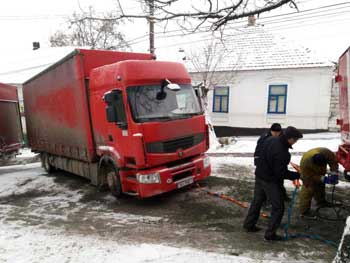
x,y
173,145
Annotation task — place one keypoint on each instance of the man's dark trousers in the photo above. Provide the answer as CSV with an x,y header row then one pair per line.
x,y
271,191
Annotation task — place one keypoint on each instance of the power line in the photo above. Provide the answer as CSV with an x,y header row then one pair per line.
x,y
285,26
284,20
247,33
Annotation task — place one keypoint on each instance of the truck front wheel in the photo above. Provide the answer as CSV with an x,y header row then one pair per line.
x,y
114,184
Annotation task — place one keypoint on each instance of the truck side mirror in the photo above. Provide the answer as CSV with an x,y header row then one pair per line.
x,y
115,110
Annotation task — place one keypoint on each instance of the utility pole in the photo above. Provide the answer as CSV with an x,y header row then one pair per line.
x,y
151,26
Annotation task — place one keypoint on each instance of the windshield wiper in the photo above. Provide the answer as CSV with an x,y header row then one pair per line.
x,y
169,118
187,114
147,119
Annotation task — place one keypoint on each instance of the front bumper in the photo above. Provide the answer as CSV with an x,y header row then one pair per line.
x,y
171,178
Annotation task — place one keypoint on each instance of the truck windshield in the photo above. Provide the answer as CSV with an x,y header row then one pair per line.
x,y
146,104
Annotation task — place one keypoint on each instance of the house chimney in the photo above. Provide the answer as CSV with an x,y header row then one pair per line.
x,y
251,20
36,45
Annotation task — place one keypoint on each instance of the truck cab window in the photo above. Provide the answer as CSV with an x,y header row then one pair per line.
x,y
119,104
115,109
146,106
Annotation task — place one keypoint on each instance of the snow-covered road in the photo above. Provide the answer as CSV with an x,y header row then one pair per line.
x,y
62,218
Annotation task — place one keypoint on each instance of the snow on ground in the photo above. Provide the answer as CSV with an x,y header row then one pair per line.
x,y
20,242
26,153
247,144
24,179
38,245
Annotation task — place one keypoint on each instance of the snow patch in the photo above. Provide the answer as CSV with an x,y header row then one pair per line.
x,y
37,245
247,144
26,153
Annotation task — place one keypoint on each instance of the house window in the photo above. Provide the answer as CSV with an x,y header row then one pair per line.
x,y
220,101
277,99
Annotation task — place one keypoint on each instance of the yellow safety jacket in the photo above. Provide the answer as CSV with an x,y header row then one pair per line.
x,y
310,172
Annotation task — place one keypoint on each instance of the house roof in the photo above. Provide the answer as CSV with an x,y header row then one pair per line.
x,y
254,48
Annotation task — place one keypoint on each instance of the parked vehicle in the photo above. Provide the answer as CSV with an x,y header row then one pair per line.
x,y
343,81
119,119
10,123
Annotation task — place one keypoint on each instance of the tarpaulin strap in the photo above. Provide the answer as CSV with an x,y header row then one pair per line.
x,y
228,198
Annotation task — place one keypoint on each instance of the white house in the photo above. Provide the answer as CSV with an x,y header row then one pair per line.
x,y
257,78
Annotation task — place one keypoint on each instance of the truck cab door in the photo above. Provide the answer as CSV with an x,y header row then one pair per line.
x,y
115,112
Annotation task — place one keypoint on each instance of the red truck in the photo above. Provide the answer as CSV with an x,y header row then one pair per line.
x,y
120,119
10,122
343,81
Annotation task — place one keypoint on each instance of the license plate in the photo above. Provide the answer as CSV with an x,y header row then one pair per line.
x,y
185,182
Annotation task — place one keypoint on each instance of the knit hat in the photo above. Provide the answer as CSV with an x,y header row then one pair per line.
x,y
319,159
276,127
292,132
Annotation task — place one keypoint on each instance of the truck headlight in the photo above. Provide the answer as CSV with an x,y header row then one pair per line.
x,y
206,161
153,178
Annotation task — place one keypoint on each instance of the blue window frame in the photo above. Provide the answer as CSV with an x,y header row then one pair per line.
x,y
221,99
277,99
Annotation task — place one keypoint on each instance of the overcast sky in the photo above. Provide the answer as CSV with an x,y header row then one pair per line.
x,y
325,30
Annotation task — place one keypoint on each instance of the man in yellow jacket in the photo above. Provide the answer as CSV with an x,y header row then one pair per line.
x,y
313,168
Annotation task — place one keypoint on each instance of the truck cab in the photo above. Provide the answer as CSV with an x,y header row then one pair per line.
x,y
148,125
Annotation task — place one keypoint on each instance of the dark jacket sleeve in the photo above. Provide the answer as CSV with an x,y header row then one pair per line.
x,y
292,175
279,167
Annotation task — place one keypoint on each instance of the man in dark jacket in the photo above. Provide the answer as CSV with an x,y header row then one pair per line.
x,y
275,130
270,172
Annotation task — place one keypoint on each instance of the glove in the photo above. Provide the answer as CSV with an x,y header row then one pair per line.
x,y
330,179
334,177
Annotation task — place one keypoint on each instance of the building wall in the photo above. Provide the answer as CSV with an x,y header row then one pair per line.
x,y
308,97
334,108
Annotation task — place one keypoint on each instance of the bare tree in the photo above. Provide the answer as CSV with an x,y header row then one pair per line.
x,y
209,64
205,61
83,30
192,15
196,13
210,68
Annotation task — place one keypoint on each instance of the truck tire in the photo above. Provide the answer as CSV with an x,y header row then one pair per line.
x,y
45,163
114,184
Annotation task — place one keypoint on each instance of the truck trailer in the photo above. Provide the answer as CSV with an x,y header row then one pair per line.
x,y
343,81
120,119
10,123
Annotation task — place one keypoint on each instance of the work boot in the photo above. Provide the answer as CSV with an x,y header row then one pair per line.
x,y
274,237
252,229
308,214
